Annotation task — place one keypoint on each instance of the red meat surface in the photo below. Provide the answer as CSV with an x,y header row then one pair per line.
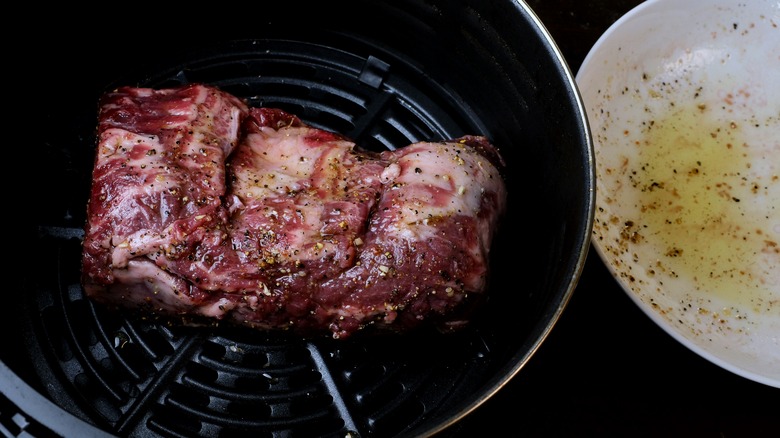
x,y
203,208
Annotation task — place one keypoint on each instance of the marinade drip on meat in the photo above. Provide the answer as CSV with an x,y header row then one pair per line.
x,y
202,207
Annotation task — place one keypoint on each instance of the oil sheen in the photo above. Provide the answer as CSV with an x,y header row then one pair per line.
x,y
705,207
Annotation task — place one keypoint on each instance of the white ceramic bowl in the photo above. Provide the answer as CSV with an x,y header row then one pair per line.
x,y
683,100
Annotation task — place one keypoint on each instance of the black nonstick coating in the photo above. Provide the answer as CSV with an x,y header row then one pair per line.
x,y
385,74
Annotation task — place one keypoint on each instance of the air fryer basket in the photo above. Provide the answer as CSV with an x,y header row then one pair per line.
x,y
385,74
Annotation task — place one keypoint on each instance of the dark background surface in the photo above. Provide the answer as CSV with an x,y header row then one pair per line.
x,y
606,369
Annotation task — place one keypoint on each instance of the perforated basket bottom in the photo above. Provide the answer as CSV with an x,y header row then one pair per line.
x,y
135,377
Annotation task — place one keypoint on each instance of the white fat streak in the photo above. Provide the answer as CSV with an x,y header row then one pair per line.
x,y
142,279
218,309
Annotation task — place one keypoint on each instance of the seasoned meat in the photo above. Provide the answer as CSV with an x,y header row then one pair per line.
x,y
157,193
202,207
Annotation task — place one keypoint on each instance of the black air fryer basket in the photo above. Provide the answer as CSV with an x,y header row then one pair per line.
x,y
385,74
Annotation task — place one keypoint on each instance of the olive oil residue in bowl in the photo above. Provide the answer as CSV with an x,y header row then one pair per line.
x,y
706,207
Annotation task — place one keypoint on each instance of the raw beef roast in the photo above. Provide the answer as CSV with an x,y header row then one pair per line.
x,y
205,209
